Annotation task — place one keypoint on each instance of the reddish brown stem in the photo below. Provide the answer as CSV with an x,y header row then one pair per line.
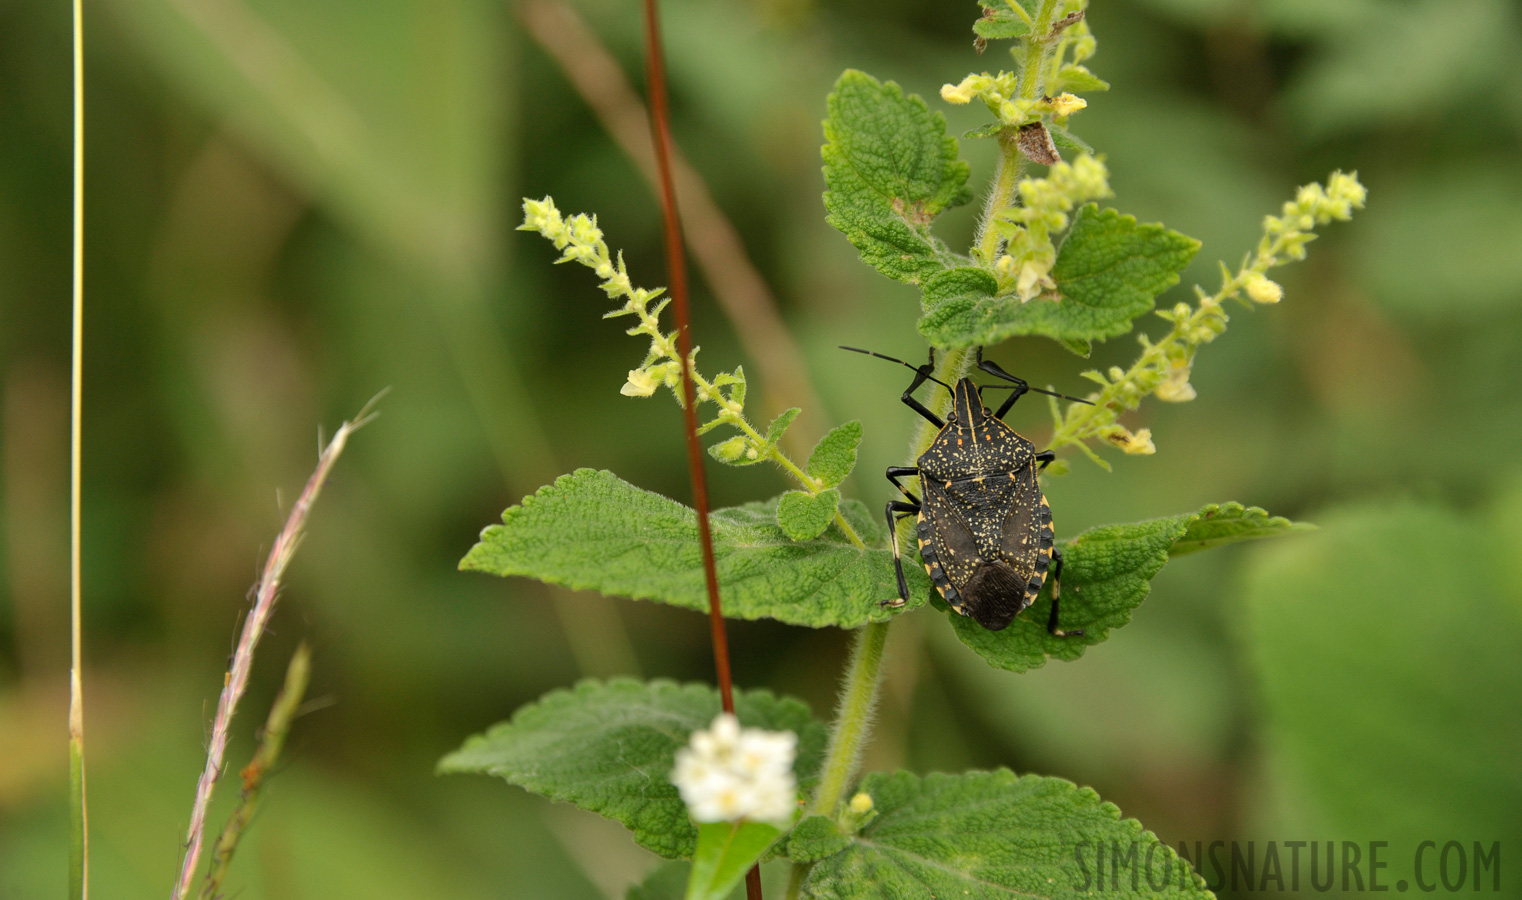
x,y
660,125
660,118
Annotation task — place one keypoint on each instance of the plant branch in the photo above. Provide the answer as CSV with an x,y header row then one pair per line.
x,y
254,624
276,727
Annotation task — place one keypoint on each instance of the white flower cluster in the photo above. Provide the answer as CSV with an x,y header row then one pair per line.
x,y
728,773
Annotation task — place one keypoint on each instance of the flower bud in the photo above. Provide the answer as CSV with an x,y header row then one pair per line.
x,y
640,384
1065,104
1262,290
1138,444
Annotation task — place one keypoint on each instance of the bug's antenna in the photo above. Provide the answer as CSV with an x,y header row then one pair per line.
x,y
899,361
1036,390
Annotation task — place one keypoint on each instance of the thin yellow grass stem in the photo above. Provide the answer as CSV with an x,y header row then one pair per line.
x,y
79,824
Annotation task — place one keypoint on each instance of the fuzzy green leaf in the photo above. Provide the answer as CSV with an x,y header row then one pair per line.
x,y
591,530
1068,140
733,451
1106,574
779,425
609,747
725,852
835,455
815,838
804,517
890,169
1074,77
1108,271
998,24
992,129
1229,523
994,835
962,281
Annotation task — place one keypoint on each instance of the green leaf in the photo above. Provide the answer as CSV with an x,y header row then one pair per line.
x,y
725,852
1074,77
733,451
591,530
1077,348
998,24
609,747
950,285
1068,140
992,835
835,455
1105,575
1108,271
779,425
1386,655
1229,523
803,516
814,838
992,129
890,169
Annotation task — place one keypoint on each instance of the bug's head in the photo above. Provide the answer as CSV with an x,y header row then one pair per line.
x,y
967,409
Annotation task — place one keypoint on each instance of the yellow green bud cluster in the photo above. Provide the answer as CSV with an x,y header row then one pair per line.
x,y
1285,235
580,240
1163,368
1024,267
1000,93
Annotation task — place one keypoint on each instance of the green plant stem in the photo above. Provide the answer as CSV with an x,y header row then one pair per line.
x,y
1011,167
1011,161
1036,44
852,719
278,725
864,673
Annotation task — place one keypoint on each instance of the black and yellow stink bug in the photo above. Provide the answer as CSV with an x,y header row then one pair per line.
x,y
985,528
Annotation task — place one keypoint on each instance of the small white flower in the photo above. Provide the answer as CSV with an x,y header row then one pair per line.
x,y
728,773
640,384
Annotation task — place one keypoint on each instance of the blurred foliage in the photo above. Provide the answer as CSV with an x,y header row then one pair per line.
x,y
291,205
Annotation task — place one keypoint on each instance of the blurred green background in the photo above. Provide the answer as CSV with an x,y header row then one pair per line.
x,y
293,204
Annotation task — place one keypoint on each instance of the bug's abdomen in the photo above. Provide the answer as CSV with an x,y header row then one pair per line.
x,y
987,542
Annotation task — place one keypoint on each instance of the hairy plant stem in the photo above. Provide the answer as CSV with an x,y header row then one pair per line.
x,y
863,676
1011,167
1011,161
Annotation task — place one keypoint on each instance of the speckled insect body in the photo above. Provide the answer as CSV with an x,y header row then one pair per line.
x,y
985,528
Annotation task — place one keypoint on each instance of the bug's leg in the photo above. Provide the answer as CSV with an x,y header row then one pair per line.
x,y
895,510
1056,577
897,472
1045,458
920,376
1020,387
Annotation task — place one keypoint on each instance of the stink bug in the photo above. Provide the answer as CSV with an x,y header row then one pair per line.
x,y
985,528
